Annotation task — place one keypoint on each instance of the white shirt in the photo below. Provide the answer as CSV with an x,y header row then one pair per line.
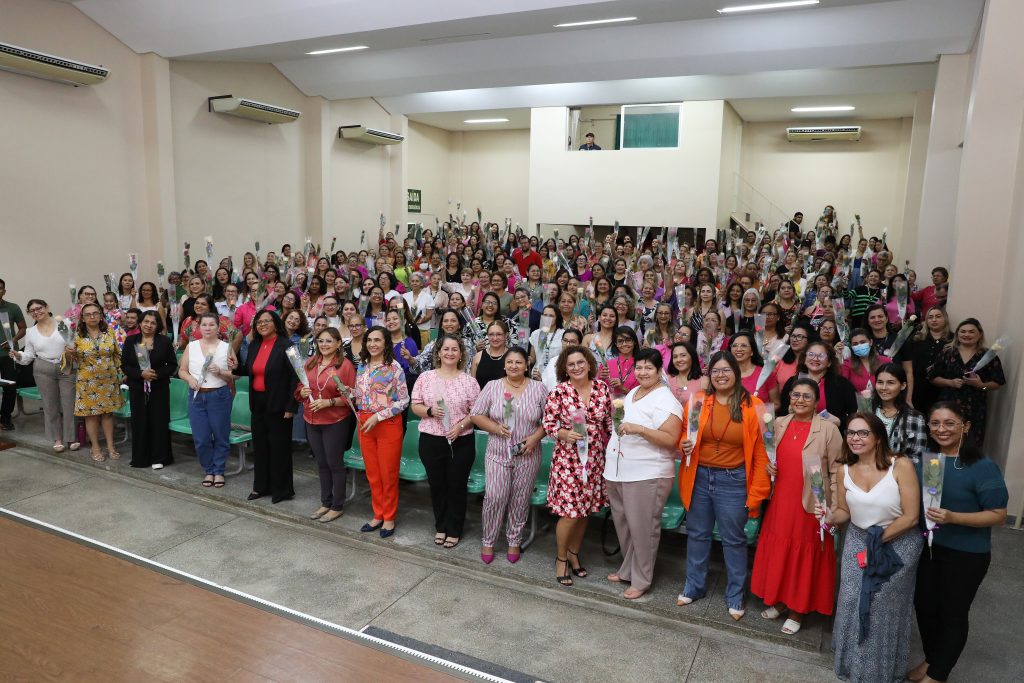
x,y
47,349
196,360
420,305
634,458
878,507
552,347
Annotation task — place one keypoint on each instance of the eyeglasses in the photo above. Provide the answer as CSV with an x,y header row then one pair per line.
x,y
624,340
817,356
36,309
858,434
355,326
264,322
798,337
797,396
718,372
91,314
948,424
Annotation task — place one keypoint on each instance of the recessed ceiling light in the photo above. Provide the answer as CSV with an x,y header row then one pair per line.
x,y
842,107
339,49
595,21
768,5
486,121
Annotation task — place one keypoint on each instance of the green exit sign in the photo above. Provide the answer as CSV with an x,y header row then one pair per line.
x,y
415,201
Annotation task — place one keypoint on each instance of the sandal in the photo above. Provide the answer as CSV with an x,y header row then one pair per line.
x,y
579,571
633,594
58,447
772,613
450,542
565,580
114,455
208,481
75,445
97,455
791,626
439,538
218,481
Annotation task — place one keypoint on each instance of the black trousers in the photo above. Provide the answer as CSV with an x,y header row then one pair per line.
x,y
151,439
329,443
272,450
946,585
9,371
448,475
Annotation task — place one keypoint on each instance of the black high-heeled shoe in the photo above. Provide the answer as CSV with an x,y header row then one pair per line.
x,y
254,495
564,580
580,571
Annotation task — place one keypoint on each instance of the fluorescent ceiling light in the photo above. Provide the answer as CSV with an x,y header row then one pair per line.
x,y
841,107
339,49
768,5
595,21
486,121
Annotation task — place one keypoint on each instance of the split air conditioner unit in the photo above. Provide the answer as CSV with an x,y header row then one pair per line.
x,y
251,109
823,134
369,135
27,62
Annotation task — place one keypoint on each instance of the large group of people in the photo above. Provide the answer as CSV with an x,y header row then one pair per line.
x,y
793,376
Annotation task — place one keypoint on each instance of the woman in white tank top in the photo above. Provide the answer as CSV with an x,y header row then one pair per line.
x,y
878,491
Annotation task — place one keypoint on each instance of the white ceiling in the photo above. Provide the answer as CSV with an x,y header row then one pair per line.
x,y
455,120
509,56
867,106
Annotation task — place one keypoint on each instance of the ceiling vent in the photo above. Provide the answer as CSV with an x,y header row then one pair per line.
x,y
41,65
823,134
251,109
369,135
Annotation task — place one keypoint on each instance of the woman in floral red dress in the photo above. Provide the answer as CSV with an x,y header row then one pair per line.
x,y
576,487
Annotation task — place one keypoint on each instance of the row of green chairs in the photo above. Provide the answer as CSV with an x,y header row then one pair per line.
x,y
241,419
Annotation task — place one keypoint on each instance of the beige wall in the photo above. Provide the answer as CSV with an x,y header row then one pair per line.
x,y
732,147
867,177
428,154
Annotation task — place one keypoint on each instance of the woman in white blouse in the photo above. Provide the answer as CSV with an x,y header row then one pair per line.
x,y
53,373
639,470
546,340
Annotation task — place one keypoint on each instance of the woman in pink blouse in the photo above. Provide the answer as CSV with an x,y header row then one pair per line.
x,y
619,371
579,414
510,409
443,400
684,376
381,395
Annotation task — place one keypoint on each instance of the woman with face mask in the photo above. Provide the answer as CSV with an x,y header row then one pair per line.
x,y
860,367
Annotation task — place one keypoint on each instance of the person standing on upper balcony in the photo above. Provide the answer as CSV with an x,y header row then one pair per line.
x,y
589,145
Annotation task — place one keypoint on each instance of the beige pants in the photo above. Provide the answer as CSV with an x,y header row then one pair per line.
x,y
636,511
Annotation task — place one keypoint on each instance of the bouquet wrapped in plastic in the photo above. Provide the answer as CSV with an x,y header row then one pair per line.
x,y
694,406
990,354
295,359
813,475
770,363
767,424
902,336
933,469
142,353
579,425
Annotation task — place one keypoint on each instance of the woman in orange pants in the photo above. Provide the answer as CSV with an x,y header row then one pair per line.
x,y
381,395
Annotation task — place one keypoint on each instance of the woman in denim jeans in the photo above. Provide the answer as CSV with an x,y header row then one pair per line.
x,y
723,480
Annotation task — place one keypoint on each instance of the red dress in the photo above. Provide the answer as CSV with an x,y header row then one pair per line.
x,y
791,565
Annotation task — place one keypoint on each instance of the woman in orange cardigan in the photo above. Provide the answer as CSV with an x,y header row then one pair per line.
x,y
723,479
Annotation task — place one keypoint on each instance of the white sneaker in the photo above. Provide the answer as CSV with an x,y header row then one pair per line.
x,y
682,600
157,466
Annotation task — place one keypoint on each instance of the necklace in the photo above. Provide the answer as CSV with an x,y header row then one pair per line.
x,y
637,397
515,386
717,437
492,357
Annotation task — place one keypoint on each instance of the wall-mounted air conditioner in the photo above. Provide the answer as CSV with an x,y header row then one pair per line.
x,y
823,133
251,109
369,135
27,62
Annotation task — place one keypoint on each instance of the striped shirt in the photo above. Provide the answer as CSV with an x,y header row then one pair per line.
x,y
527,411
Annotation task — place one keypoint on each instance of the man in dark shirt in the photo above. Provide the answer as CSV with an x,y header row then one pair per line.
x,y
794,225
589,146
10,334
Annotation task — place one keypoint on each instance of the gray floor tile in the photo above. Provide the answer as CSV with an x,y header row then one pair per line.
x,y
334,581
136,519
719,663
23,476
527,632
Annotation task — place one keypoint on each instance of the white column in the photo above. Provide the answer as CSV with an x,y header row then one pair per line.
x,y
933,245
161,238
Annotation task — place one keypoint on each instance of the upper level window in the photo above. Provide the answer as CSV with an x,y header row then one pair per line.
x,y
649,125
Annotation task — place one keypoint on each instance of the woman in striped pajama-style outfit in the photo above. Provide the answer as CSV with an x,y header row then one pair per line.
x,y
510,410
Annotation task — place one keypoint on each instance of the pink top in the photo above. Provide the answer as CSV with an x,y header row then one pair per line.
x,y
459,394
683,389
244,315
857,374
750,383
892,310
621,369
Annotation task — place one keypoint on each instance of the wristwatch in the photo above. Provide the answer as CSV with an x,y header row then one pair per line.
x,y
430,412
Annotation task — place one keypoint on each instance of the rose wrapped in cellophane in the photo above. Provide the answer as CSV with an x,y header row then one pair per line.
x,y
770,363
204,371
815,478
902,295
759,325
933,469
902,336
991,353
766,413
186,259
295,359
142,353
8,329
864,398
694,406
579,425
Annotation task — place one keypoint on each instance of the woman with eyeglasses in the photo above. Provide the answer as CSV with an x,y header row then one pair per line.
x,y
878,498
329,421
149,392
801,335
710,339
54,374
619,370
744,349
489,363
974,499
579,414
272,402
794,571
723,481
904,426
443,399
489,307
639,470
864,361
954,375
381,396
836,394
86,295
97,385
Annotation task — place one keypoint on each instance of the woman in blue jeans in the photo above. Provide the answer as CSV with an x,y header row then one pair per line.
x,y
206,366
723,479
